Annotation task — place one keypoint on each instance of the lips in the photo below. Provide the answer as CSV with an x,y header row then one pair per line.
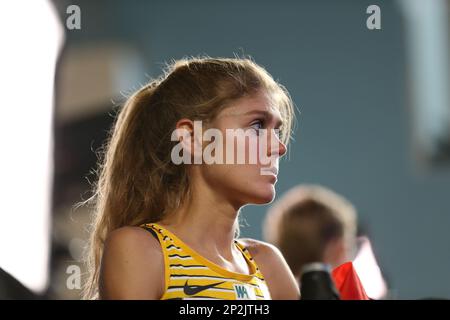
x,y
269,171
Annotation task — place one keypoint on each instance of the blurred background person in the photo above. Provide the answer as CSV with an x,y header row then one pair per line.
x,y
311,223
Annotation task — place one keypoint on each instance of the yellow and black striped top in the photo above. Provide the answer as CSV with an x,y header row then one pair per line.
x,y
188,275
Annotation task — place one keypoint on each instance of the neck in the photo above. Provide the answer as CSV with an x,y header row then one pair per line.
x,y
205,220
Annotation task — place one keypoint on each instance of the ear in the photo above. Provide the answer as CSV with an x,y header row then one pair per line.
x,y
189,133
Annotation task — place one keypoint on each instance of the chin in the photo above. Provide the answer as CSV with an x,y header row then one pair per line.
x,y
263,195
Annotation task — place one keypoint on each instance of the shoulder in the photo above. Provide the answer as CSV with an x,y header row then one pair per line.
x,y
273,266
132,265
133,242
257,246
264,253
136,236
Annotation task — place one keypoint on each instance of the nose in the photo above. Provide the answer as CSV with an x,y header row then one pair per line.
x,y
276,146
282,148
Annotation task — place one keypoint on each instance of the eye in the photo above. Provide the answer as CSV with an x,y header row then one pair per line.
x,y
257,125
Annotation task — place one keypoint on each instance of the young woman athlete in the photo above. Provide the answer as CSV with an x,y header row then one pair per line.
x,y
169,230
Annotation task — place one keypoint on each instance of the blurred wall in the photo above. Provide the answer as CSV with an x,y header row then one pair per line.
x,y
350,85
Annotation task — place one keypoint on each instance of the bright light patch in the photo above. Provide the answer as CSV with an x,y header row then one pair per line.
x,y
31,38
368,271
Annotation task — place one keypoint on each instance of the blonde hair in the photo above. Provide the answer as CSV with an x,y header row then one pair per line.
x,y
137,181
305,219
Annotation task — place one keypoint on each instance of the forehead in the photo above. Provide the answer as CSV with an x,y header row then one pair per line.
x,y
260,101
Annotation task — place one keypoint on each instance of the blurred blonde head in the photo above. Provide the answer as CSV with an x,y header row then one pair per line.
x,y
311,223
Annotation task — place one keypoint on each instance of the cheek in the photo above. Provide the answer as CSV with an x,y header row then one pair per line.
x,y
241,147
230,176
252,147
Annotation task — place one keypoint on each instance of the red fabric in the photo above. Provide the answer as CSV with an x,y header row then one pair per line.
x,y
347,283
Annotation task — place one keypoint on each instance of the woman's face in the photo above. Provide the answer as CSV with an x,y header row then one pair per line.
x,y
248,128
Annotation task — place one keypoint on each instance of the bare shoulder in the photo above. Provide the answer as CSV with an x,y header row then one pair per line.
x,y
132,265
257,247
273,266
133,243
264,253
139,238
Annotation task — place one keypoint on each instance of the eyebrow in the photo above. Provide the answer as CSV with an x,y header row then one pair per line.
x,y
265,114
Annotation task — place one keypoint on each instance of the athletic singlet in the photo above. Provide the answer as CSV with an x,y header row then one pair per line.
x,y
188,275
